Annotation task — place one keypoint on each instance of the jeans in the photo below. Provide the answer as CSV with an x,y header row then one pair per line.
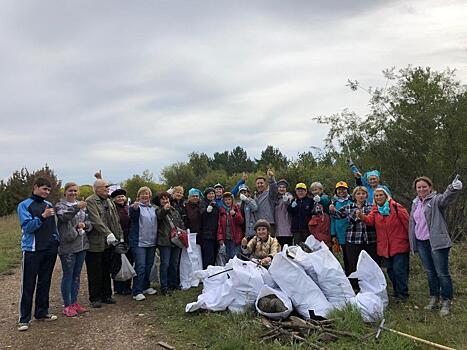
x,y
231,249
398,272
37,268
71,267
436,265
144,258
170,257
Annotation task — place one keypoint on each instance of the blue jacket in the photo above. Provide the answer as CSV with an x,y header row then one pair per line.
x,y
363,181
37,233
339,226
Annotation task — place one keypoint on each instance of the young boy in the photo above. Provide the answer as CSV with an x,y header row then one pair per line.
x,y
262,246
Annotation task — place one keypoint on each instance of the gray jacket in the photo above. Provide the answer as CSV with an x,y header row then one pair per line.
x,y
433,207
68,218
249,208
266,202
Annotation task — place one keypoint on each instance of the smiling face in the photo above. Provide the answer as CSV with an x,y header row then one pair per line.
x,y
342,192
71,193
41,191
260,185
164,200
210,196
193,198
177,195
219,191
144,197
423,188
282,189
228,201
262,233
316,191
301,193
120,199
373,181
380,197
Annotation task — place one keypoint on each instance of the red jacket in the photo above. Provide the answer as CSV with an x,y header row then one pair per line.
x,y
320,227
392,232
236,222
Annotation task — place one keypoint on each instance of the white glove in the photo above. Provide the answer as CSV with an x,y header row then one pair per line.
x,y
349,161
170,191
285,198
456,184
243,198
209,209
81,232
290,195
222,250
294,204
111,239
317,198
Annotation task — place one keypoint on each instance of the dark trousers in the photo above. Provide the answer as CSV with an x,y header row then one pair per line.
x,y
98,268
285,240
209,248
398,272
352,252
122,287
37,268
299,237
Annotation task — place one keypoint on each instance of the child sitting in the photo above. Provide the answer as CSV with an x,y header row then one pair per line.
x,y
262,246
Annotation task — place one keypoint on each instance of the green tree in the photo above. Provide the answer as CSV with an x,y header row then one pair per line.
x,y
133,184
271,158
239,161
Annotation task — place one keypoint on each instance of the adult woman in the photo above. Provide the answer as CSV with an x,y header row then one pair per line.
x,y
168,217
248,207
320,222
178,202
142,239
72,225
358,236
429,236
300,212
209,222
229,231
281,214
391,221
371,180
262,246
121,203
193,209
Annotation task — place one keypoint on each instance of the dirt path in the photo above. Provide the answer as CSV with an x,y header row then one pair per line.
x,y
126,325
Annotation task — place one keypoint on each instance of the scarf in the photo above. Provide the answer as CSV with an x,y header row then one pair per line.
x,y
384,209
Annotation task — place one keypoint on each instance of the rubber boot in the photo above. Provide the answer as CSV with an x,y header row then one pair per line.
x,y
433,304
445,307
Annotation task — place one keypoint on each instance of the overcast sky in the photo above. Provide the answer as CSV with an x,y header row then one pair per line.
x,y
125,86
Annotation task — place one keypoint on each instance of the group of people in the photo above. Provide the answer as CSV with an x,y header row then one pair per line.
x,y
240,222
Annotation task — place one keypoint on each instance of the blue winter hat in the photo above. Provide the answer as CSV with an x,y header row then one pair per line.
x,y
373,173
195,192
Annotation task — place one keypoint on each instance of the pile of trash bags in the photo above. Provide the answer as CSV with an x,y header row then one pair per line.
x,y
313,283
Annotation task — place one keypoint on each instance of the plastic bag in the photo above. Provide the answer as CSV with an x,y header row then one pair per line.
x,y
221,259
190,260
126,271
300,288
371,306
370,277
282,296
154,274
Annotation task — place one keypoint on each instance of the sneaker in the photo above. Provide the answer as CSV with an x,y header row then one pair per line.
x,y
139,297
48,317
79,309
150,291
70,311
96,304
445,307
433,304
23,327
109,301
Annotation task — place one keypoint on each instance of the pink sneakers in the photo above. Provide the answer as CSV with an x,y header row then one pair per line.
x,y
69,311
79,309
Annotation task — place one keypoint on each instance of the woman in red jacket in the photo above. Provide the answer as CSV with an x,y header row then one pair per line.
x,y
229,231
391,221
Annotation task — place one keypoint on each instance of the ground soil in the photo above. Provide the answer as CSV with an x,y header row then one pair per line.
x,y
125,325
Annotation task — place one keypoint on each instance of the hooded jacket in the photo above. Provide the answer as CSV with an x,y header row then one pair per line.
x,y
236,222
433,207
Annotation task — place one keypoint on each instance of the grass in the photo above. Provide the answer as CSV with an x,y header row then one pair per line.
x,y
10,244
224,330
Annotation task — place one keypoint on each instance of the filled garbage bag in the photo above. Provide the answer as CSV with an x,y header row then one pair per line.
x,y
273,303
126,271
370,277
305,294
371,306
190,260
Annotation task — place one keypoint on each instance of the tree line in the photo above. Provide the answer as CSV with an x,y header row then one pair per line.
x,y
417,125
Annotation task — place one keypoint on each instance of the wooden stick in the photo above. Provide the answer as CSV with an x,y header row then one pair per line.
x,y
427,342
165,345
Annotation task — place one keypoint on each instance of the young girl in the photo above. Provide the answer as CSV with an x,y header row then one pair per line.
x,y
229,231
73,223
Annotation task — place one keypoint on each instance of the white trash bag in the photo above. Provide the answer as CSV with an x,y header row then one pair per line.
x,y
370,277
371,306
265,291
190,260
291,278
126,272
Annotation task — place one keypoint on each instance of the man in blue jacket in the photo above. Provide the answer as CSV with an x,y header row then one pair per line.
x,y
39,244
